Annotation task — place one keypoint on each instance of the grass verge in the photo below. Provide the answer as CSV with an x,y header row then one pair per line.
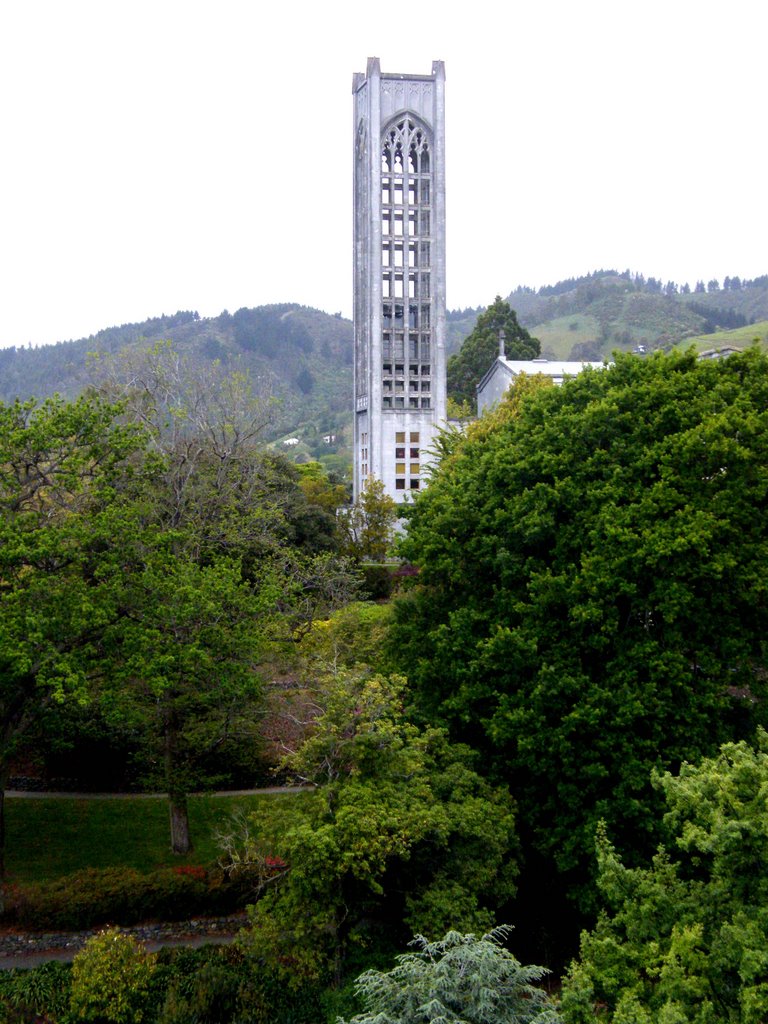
x,y
50,838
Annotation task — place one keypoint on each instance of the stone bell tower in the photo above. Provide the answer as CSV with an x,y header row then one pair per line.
x,y
399,274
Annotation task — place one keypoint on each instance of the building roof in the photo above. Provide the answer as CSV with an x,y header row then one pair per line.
x,y
557,369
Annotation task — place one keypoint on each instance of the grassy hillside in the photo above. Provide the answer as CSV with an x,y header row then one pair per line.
x,y
591,316
741,337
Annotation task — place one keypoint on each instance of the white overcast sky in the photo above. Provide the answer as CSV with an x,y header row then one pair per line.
x,y
198,155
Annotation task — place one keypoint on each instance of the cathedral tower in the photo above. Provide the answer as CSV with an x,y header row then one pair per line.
x,y
399,277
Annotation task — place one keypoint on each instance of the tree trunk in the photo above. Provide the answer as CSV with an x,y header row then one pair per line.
x,y
3,785
177,794
179,816
2,833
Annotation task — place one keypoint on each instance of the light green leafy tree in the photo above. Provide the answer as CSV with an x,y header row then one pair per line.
x,y
178,665
462,979
60,464
400,831
685,940
370,523
111,976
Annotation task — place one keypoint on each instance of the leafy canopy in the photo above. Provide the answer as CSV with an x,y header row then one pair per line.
x,y
591,600
685,938
401,830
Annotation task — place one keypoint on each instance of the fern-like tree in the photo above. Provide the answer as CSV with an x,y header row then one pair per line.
x,y
462,979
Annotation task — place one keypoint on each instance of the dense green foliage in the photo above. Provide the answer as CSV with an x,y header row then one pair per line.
x,y
41,994
402,835
211,985
591,602
369,524
150,566
461,979
685,939
111,978
59,467
467,367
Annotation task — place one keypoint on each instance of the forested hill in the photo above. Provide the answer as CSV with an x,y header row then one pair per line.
x,y
303,357
589,317
299,356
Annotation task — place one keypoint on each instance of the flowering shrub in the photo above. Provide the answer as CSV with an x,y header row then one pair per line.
x,y
191,871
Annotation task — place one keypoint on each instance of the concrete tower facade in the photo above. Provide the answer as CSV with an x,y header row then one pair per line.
x,y
399,276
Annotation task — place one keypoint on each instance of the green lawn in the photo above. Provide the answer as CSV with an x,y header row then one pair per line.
x,y
47,838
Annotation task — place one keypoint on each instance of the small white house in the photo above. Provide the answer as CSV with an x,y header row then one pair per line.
x,y
503,372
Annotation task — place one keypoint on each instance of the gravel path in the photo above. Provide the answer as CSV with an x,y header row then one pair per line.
x,y
34,794
27,949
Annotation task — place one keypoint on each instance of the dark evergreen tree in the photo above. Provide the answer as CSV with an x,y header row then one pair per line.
x,y
467,367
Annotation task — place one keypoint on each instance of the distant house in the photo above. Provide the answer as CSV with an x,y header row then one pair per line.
x,y
503,372
291,442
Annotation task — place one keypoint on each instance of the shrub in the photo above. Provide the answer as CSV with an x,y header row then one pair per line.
x,y
93,897
111,978
461,978
39,994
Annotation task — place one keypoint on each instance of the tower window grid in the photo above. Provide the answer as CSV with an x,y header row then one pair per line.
x,y
406,188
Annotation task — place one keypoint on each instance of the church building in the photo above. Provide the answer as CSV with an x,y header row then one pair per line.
x,y
399,275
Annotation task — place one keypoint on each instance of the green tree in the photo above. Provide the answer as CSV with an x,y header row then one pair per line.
x,y
207,568
591,600
179,667
59,466
370,523
110,979
400,831
462,979
467,367
685,938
